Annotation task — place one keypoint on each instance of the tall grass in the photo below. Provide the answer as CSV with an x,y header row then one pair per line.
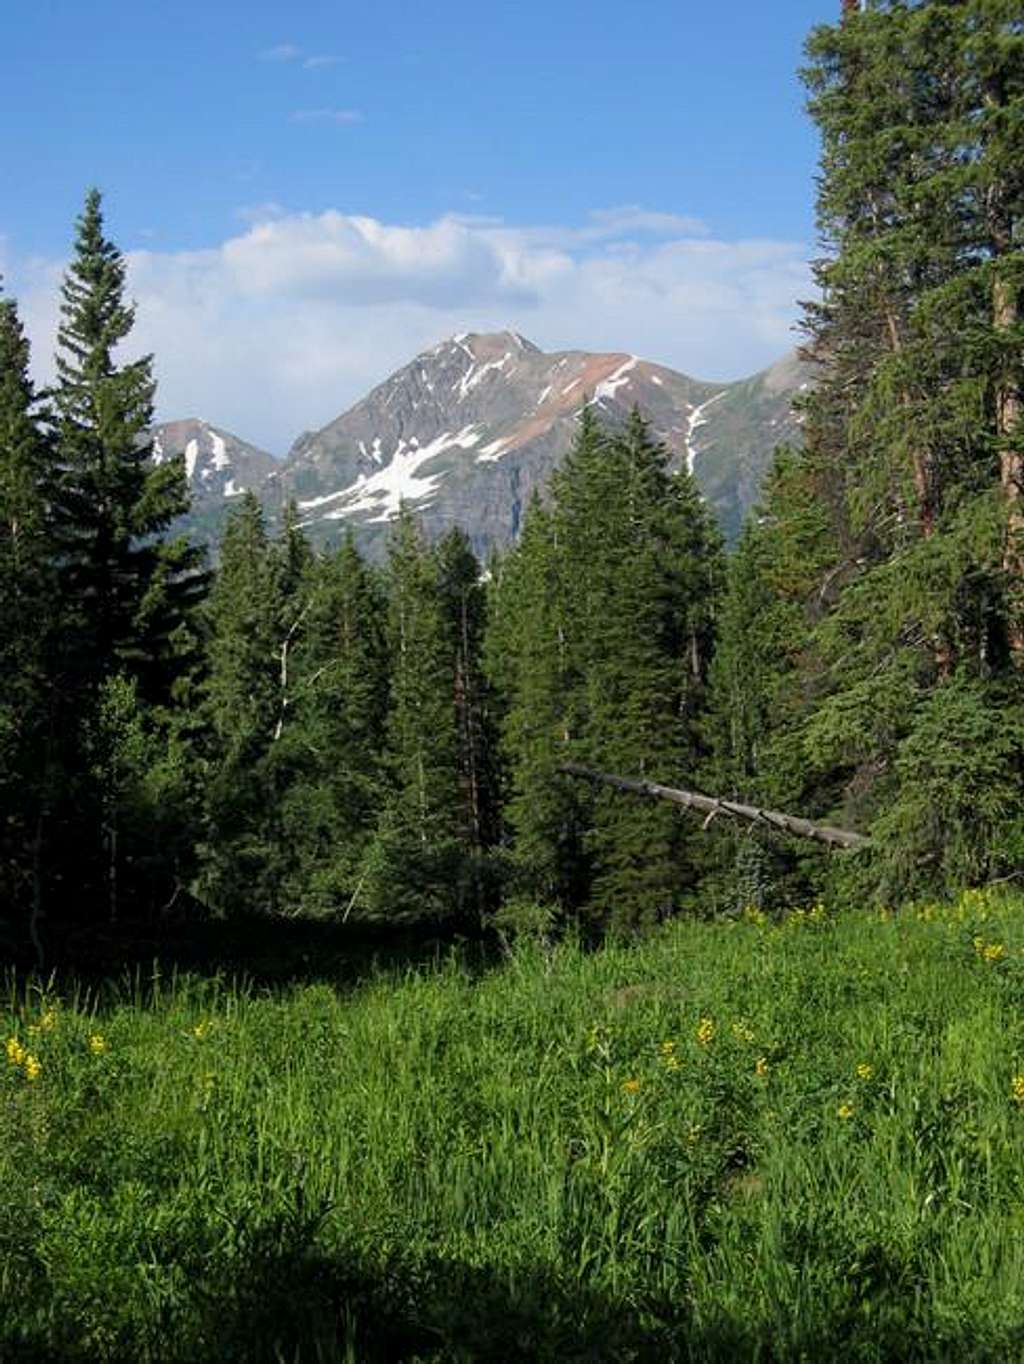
x,y
745,1140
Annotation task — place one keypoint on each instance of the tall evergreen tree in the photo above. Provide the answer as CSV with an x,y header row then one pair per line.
x,y
526,650
27,769
125,591
426,861
334,737
463,602
126,587
911,437
249,634
609,606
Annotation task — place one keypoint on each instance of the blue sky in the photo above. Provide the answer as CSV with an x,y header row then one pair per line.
x,y
310,193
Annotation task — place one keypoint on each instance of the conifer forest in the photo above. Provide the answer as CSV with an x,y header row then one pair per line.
x,y
367,1001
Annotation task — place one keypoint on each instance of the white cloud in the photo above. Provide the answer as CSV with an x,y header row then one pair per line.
x,y
320,60
282,326
337,116
282,52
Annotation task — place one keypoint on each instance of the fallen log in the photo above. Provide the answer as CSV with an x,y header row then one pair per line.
x,y
714,805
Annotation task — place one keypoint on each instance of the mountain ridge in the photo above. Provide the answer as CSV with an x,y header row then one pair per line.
x,y
471,427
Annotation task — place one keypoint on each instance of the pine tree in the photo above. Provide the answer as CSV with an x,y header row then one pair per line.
x,y
527,665
27,757
242,854
335,735
422,864
911,427
763,678
126,588
648,599
603,636
125,592
463,602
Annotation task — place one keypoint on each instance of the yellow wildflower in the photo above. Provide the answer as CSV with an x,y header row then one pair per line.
x,y
15,1052
201,1029
32,1068
667,1047
631,1086
845,1111
97,1044
1017,1088
705,1031
761,1068
49,1020
994,951
864,1071
742,1031
673,1063
693,1132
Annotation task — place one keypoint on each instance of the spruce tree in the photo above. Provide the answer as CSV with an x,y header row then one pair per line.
x,y
422,864
243,851
125,592
527,664
463,601
648,600
126,588
911,433
28,772
605,642
335,735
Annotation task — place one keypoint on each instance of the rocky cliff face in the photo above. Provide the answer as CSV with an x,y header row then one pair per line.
x,y
466,432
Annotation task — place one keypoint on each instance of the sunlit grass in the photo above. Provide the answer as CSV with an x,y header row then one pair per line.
x,y
741,1140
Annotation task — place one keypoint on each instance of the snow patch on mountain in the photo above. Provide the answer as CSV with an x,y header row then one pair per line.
x,y
697,419
607,388
474,376
220,458
399,480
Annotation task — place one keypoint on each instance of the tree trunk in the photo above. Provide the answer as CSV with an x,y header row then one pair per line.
x,y
713,805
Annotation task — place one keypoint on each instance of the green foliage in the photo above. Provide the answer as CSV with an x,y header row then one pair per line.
x,y
603,623
125,586
26,623
871,630
428,859
960,771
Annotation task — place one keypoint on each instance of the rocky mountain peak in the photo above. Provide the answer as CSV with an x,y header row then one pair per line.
x,y
219,466
469,429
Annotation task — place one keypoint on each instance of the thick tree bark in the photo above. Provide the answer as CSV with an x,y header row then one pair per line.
x,y
712,805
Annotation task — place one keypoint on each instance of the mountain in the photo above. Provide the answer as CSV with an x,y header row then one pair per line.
x,y
739,435
467,431
220,467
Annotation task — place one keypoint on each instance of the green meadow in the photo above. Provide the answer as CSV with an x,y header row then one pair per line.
x,y
791,1139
